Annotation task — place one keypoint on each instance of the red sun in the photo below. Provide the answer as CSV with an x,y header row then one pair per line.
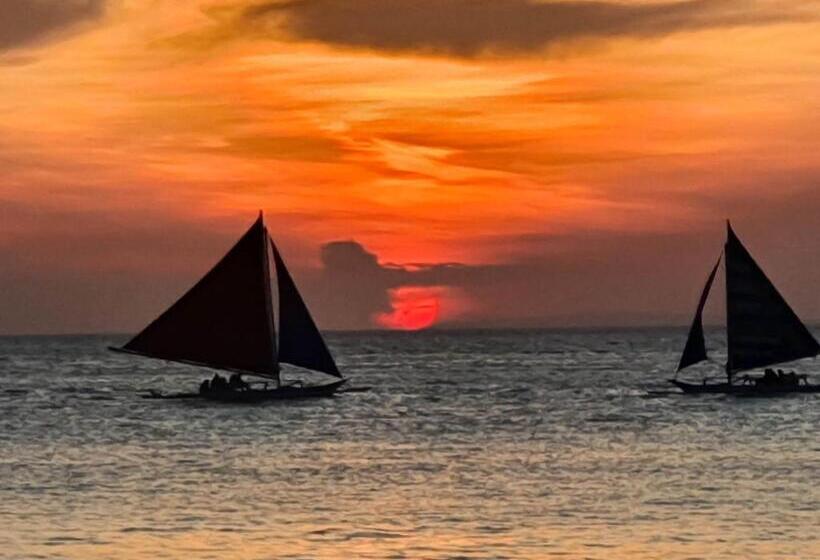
x,y
414,308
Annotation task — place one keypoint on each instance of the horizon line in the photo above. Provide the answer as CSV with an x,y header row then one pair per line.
x,y
440,328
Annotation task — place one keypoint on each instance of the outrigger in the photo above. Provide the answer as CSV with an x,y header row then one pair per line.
x,y
761,331
227,322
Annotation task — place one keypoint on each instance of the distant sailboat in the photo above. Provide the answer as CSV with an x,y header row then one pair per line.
x,y
761,328
227,322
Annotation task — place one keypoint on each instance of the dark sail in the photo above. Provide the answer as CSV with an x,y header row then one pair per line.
x,y
762,329
300,342
224,321
695,349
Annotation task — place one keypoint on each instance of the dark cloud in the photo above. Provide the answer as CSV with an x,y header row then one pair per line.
x,y
596,278
64,270
351,287
26,21
472,27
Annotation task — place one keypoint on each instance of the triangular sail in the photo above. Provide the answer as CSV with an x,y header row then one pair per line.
x,y
762,329
225,320
300,342
695,349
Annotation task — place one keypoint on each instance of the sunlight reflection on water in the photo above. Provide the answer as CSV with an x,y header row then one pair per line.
x,y
471,445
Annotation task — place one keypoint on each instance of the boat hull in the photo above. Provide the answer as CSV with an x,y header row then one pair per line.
x,y
286,392
743,390
250,396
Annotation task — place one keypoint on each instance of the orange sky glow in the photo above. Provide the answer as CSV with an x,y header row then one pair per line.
x,y
138,139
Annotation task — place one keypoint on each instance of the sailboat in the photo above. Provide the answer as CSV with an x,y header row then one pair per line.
x,y
761,331
226,321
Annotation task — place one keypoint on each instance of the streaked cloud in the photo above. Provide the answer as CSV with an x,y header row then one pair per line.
x,y
520,189
474,27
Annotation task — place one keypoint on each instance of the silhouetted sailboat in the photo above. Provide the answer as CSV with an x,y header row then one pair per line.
x,y
227,322
761,331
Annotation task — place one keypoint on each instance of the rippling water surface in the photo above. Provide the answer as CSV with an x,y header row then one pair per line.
x,y
532,444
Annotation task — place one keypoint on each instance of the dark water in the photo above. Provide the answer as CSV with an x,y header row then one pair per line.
x,y
470,445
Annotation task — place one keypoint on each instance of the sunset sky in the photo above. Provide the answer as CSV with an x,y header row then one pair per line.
x,y
419,162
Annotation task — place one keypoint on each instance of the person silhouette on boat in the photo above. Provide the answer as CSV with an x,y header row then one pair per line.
x,y
786,377
218,383
204,387
770,377
236,382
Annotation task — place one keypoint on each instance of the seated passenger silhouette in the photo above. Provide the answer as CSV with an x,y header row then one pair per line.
x,y
218,383
237,383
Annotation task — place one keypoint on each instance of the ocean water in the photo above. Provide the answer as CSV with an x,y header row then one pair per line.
x,y
530,444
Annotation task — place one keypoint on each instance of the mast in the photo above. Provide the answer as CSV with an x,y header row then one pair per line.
x,y
269,300
729,329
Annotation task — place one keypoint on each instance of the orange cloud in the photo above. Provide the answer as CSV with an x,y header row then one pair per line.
x,y
135,146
